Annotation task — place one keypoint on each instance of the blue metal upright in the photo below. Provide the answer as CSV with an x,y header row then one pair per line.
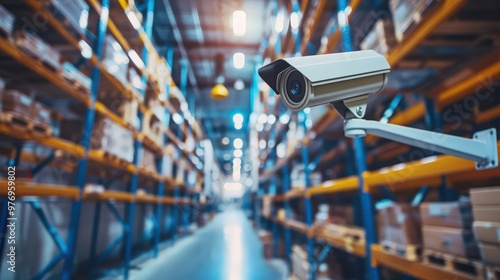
x,y
308,203
360,156
288,213
130,209
81,171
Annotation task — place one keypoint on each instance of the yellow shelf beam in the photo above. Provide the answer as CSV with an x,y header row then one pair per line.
x,y
98,156
413,268
28,188
335,186
398,175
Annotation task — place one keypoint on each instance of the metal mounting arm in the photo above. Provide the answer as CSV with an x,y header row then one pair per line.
x,y
482,148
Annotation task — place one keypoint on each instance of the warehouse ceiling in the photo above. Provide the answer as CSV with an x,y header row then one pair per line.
x,y
199,30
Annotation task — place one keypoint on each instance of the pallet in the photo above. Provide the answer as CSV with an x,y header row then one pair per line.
x,y
459,265
354,234
78,86
111,158
24,123
493,272
409,252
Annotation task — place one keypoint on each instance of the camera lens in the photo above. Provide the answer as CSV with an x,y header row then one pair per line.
x,y
295,87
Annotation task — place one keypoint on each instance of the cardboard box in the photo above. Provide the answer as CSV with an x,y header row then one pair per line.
x,y
398,214
447,214
403,235
341,215
381,38
489,213
455,241
490,253
484,196
16,102
73,12
487,232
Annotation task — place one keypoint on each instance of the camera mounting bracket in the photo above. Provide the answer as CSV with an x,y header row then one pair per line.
x,y
352,107
482,148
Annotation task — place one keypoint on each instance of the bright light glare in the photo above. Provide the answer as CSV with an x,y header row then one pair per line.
x,y
236,175
86,50
238,143
239,85
342,18
262,118
225,140
238,126
239,60
133,19
294,21
239,23
237,162
280,22
262,144
136,59
259,127
238,153
281,150
177,118
238,118
271,119
235,186
84,19
284,119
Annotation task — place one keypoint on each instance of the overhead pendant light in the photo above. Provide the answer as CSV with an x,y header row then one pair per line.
x,y
219,91
239,23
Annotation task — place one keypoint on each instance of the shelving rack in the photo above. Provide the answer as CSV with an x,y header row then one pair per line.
x,y
108,14
436,171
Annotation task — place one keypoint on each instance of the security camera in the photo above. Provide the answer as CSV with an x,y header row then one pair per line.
x,y
321,79
346,80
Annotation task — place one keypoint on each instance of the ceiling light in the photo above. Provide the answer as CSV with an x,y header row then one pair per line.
x,y
236,161
234,186
238,153
238,126
248,182
239,85
225,140
239,60
259,127
238,143
219,91
271,119
238,118
281,150
226,156
236,175
294,21
86,49
84,19
280,22
239,23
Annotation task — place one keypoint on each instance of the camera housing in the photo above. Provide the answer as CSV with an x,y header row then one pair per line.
x,y
321,79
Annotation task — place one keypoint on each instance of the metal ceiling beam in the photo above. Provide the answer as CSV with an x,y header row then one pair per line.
x,y
180,44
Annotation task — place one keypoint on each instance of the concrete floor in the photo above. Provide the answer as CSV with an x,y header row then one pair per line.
x,y
226,248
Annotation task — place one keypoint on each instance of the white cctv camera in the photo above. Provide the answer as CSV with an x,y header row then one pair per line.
x,y
346,80
321,79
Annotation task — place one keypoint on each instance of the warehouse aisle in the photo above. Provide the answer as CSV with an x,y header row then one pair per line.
x,y
226,248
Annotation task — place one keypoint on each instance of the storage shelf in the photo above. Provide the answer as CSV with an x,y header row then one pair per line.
x,y
98,156
488,115
335,186
413,268
110,195
334,38
51,142
37,66
28,188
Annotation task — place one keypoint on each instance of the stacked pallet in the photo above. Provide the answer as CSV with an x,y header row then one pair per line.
x,y
448,239
486,209
399,229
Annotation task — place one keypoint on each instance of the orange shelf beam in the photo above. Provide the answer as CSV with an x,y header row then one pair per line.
x,y
110,196
429,167
488,115
28,188
355,248
335,186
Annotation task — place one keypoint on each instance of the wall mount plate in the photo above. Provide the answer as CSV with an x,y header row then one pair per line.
x,y
489,136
